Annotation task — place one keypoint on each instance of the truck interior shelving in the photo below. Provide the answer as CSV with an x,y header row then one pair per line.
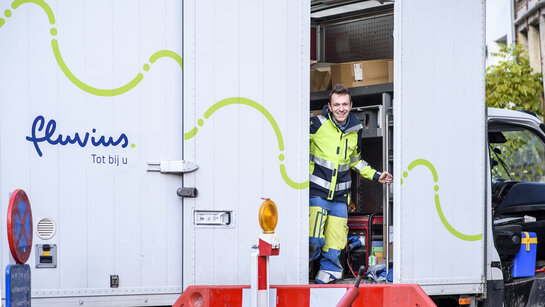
x,y
361,31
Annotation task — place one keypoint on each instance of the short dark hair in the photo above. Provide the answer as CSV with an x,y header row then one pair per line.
x,y
339,89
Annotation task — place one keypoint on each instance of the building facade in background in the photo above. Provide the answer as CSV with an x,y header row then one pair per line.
x,y
516,21
529,27
499,27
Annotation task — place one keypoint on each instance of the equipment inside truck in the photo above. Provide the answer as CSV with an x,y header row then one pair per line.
x,y
354,46
343,45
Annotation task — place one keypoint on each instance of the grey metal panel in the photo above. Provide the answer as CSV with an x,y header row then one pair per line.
x,y
363,39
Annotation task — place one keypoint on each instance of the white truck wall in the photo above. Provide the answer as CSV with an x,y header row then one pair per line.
x,y
257,51
111,219
440,118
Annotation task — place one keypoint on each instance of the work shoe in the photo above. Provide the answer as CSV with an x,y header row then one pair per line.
x,y
325,277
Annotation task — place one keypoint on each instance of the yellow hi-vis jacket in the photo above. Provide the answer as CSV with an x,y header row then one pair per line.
x,y
332,154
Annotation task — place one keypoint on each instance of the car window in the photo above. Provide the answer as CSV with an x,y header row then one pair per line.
x,y
516,153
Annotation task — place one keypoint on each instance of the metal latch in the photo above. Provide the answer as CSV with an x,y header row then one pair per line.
x,y
187,192
175,167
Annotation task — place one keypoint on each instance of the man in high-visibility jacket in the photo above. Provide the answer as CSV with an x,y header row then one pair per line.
x,y
335,148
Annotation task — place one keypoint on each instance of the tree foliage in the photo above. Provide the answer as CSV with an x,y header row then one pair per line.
x,y
512,84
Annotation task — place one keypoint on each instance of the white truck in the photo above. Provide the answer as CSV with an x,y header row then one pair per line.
x,y
145,134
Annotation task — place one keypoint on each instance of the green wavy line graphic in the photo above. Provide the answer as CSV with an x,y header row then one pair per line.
x,y
248,102
427,164
169,54
68,73
291,183
15,4
89,89
136,80
244,101
191,133
442,217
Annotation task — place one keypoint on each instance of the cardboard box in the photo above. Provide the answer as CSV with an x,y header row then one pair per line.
x,y
320,79
361,73
315,112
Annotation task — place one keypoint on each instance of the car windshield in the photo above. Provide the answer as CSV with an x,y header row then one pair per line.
x,y
516,153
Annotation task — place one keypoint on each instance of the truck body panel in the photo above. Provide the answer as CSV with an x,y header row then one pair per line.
x,y
81,117
439,146
246,90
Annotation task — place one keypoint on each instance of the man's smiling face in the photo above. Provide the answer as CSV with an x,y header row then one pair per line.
x,y
340,106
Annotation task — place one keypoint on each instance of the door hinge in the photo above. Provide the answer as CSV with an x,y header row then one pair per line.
x,y
172,167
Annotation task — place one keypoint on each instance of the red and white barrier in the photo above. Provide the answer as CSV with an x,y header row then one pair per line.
x,y
307,295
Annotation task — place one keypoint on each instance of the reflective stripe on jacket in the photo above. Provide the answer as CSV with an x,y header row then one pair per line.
x,y
332,154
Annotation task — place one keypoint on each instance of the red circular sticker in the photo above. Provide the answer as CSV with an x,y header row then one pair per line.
x,y
19,226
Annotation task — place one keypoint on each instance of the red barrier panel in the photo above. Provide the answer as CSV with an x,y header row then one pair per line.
x,y
370,295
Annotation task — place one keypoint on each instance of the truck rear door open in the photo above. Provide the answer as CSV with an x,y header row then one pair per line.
x,y
439,149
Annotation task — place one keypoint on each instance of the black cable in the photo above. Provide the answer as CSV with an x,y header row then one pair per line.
x,y
501,161
493,94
